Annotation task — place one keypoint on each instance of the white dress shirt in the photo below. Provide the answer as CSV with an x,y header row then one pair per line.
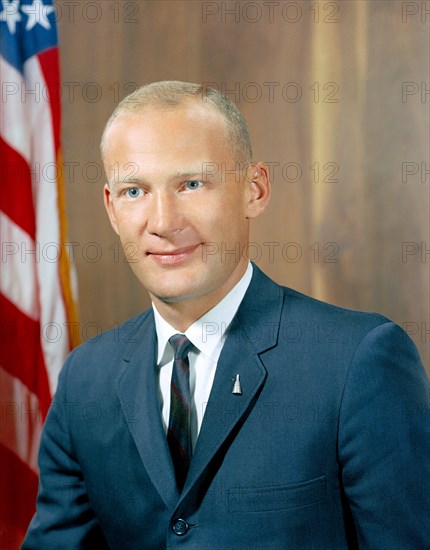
x,y
207,335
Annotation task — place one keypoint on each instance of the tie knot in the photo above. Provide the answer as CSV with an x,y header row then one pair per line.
x,y
180,345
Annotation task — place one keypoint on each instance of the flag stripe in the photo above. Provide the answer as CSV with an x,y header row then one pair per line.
x,y
14,119
16,182
22,422
21,352
49,64
17,505
19,276
47,226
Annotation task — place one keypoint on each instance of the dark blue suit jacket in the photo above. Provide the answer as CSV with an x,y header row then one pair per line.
x,y
327,447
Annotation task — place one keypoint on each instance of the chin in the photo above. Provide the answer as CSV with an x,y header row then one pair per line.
x,y
171,299
174,295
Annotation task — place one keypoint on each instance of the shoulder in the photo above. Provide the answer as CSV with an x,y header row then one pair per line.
x,y
301,306
348,349
363,342
116,340
319,331
305,311
102,356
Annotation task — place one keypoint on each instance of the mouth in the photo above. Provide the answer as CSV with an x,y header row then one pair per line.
x,y
172,257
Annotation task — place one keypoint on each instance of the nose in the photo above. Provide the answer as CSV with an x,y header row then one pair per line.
x,y
164,216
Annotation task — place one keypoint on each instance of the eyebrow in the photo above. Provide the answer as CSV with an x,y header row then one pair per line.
x,y
180,174
187,173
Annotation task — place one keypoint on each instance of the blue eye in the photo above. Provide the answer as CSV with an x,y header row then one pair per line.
x,y
133,192
193,184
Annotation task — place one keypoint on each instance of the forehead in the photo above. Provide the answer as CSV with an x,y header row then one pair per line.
x,y
161,142
164,127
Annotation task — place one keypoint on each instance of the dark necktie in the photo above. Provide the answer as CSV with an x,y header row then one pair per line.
x,y
178,433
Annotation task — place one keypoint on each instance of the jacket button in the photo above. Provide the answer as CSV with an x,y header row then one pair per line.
x,y
180,527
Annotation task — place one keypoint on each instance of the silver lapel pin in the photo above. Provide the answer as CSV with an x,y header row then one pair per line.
x,y
237,390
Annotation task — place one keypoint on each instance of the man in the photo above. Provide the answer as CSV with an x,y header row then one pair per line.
x,y
248,437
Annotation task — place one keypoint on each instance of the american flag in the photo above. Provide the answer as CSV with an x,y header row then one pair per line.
x,y
38,314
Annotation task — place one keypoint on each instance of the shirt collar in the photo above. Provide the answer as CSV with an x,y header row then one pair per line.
x,y
207,333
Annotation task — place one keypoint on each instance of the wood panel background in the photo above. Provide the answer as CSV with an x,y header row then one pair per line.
x,y
336,96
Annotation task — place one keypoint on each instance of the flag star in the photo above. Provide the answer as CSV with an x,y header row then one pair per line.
x,y
37,13
10,14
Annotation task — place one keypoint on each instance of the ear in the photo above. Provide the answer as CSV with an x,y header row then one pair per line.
x,y
107,196
258,190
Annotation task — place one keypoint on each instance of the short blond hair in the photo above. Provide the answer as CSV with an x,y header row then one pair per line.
x,y
172,93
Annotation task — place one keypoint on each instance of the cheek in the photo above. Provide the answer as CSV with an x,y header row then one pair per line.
x,y
211,223
228,207
129,220
230,216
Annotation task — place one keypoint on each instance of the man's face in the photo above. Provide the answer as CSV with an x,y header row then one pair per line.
x,y
178,204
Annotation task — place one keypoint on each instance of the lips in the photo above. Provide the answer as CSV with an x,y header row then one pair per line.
x,y
172,257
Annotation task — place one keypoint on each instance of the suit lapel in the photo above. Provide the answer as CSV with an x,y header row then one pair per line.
x,y
254,330
138,394
224,409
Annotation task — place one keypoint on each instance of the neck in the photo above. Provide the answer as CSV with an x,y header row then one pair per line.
x,y
183,313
